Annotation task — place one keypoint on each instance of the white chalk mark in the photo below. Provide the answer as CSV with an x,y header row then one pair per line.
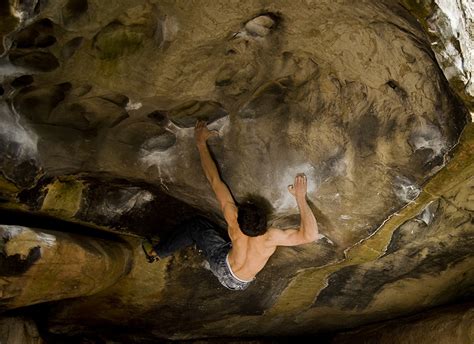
x,y
13,131
133,106
405,189
285,201
48,239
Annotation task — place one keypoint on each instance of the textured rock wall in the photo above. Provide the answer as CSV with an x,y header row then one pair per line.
x,y
97,105
421,257
18,330
38,266
356,107
442,326
450,27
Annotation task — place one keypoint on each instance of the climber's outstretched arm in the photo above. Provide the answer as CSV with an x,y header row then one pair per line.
x,y
222,192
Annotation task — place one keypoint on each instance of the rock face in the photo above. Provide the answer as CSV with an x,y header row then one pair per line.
x,y
375,116
420,258
16,330
38,266
445,326
449,25
97,108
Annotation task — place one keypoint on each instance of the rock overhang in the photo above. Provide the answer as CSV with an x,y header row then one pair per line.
x,y
350,95
340,98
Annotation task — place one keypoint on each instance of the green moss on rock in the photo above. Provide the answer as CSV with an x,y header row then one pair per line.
x,y
63,198
116,40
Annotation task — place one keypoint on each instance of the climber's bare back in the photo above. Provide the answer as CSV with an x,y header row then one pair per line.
x,y
249,255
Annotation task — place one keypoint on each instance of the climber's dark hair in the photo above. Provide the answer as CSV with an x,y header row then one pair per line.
x,y
252,216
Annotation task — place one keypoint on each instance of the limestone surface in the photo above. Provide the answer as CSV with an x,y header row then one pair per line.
x,y
18,330
444,326
39,266
370,99
449,25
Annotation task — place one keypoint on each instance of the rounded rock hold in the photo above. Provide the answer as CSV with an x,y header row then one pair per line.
x,y
160,143
35,60
26,38
116,98
186,115
87,114
71,47
22,81
116,40
38,35
81,90
267,99
260,26
46,41
73,10
160,117
37,103
145,136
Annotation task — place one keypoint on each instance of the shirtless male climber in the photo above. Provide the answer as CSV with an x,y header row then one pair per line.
x,y
235,263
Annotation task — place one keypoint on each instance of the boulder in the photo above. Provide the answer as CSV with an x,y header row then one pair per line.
x,y
369,99
39,265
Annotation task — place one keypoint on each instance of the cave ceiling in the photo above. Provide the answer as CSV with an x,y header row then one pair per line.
x,y
97,108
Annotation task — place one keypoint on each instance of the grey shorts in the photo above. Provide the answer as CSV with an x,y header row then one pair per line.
x,y
220,267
